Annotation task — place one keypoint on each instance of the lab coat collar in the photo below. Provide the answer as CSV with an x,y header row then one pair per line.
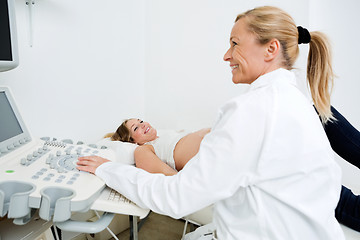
x,y
277,75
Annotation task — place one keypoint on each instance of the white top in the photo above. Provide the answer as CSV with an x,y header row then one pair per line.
x,y
266,165
165,144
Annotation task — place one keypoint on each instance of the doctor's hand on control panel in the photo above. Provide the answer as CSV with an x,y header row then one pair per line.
x,y
90,163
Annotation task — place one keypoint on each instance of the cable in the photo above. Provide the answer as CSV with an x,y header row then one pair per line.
x,y
56,233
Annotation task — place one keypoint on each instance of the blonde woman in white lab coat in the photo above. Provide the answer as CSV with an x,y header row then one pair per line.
x,y
267,165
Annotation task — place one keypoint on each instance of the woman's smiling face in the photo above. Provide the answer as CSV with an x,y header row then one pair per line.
x,y
140,131
245,55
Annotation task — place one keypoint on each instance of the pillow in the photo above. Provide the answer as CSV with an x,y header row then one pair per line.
x,y
124,151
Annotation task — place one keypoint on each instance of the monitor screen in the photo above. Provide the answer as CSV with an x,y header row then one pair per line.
x,y
5,36
8,37
9,125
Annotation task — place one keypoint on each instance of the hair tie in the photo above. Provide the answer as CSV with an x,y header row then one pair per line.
x,y
304,35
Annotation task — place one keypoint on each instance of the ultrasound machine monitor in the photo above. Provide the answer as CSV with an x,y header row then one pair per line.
x,y
9,58
13,132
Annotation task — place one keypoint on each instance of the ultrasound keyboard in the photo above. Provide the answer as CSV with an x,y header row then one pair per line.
x,y
42,174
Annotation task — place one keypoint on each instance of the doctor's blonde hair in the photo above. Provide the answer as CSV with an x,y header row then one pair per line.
x,y
268,23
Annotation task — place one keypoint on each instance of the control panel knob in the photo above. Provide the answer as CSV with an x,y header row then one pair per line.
x,y
29,157
23,161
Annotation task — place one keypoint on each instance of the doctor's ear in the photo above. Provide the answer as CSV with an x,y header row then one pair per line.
x,y
272,49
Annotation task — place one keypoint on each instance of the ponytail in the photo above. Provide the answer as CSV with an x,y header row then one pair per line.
x,y
320,75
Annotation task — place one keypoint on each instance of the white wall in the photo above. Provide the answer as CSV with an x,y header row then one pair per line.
x,y
94,63
85,71
186,77
339,20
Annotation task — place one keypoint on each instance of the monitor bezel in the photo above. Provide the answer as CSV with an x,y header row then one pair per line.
x,y
23,137
4,64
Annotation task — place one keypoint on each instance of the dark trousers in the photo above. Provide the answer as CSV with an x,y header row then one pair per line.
x,y
345,141
347,211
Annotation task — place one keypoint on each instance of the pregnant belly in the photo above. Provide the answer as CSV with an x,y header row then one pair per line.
x,y
188,147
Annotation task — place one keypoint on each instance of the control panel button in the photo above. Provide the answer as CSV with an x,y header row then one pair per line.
x,y
92,145
4,150
67,141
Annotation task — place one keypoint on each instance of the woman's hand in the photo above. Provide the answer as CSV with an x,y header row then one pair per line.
x,y
90,163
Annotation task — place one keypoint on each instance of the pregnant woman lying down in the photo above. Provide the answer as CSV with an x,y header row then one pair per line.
x,y
164,152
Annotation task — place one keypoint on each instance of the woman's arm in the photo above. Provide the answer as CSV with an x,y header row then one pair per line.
x,y
145,158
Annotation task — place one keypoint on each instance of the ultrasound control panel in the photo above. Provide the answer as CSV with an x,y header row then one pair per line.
x,y
41,173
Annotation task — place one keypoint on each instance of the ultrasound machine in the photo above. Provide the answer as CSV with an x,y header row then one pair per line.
x,y
38,176
41,174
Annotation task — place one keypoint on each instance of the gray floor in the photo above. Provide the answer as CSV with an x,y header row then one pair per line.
x,y
158,227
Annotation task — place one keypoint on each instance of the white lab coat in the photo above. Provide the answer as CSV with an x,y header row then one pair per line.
x,y
267,167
